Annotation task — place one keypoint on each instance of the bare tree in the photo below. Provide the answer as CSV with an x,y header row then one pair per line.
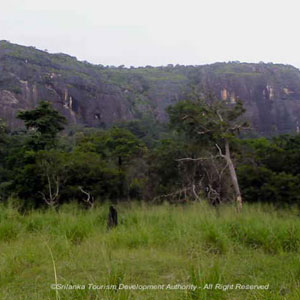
x,y
52,196
211,125
90,199
52,169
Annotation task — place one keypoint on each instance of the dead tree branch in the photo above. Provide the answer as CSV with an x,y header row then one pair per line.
x,y
52,199
90,199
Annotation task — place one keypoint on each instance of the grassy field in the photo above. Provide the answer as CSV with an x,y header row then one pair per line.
x,y
165,245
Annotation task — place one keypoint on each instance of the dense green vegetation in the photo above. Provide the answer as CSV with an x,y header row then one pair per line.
x,y
200,155
166,244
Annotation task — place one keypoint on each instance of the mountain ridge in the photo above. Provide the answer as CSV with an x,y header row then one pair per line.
x,y
98,96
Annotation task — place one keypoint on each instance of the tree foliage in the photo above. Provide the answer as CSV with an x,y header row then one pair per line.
x,y
45,123
46,166
211,124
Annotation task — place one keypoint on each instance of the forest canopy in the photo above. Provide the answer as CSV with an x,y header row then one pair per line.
x,y
200,154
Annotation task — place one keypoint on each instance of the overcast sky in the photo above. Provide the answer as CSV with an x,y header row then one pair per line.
x,y
157,32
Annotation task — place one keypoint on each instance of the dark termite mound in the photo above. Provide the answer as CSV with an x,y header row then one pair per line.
x,y
112,220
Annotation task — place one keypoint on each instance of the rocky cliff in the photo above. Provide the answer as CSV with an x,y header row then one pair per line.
x,y
98,96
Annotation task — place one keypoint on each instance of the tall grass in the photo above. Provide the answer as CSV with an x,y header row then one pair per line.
x,y
192,244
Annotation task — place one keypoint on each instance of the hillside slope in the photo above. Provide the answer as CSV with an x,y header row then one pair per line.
x,y
98,96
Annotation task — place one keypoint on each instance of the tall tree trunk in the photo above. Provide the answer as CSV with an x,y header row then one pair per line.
x,y
233,176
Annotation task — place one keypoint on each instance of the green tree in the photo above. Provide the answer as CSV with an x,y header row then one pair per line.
x,y
123,145
268,169
97,177
44,123
212,124
122,150
165,176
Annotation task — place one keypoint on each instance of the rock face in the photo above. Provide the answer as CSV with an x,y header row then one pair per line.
x,y
98,96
